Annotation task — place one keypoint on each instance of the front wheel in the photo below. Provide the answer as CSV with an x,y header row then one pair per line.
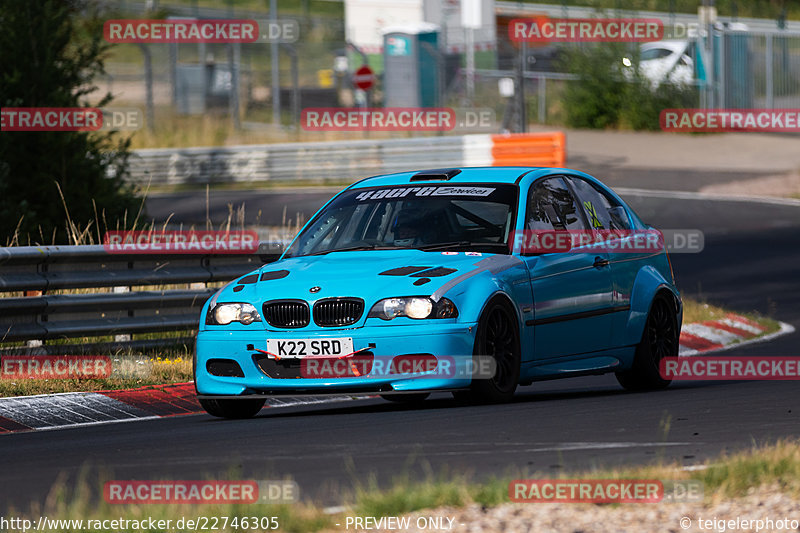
x,y
497,337
659,340
236,409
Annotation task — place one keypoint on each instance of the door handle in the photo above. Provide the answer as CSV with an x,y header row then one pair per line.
x,y
600,262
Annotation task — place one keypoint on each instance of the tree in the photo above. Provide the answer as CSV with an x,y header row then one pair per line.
x,y
51,52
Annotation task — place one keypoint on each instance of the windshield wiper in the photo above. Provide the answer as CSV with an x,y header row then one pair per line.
x,y
458,244
442,245
358,248
346,249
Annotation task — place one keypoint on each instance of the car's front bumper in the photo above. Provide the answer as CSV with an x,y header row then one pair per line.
x,y
450,341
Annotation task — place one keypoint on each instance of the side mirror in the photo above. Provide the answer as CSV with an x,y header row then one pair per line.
x,y
619,217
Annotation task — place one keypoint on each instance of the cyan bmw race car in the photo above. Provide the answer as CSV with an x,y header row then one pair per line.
x,y
471,280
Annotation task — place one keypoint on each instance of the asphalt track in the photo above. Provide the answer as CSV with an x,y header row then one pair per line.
x,y
274,207
751,262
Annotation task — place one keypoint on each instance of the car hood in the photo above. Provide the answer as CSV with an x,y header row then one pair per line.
x,y
370,275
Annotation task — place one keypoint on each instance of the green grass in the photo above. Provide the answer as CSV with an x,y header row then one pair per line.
x,y
405,496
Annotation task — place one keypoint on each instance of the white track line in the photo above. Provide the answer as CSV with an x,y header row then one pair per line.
x,y
687,195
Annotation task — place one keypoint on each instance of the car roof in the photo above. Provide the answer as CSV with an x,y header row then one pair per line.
x,y
465,175
676,46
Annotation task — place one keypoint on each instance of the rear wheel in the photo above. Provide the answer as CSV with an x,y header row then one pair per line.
x,y
497,337
417,397
659,340
233,408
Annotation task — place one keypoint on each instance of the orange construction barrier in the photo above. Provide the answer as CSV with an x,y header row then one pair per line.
x,y
548,149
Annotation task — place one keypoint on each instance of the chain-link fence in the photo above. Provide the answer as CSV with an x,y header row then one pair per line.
x,y
171,80
757,70
737,68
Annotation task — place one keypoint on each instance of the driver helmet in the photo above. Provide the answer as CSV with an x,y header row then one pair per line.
x,y
408,227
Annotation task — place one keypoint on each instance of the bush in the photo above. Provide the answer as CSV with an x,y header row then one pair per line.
x,y
608,96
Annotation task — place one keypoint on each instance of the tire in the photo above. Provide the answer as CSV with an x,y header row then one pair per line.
x,y
236,409
497,337
659,339
406,398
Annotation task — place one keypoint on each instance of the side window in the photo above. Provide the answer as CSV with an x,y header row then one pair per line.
x,y
602,211
552,206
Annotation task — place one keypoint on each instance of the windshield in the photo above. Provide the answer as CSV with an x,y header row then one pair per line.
x,y
470,217
655,53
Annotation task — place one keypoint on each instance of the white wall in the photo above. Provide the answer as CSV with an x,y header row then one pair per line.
x,y
364,20
447,14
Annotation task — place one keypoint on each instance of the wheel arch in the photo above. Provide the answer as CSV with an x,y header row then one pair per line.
x,y
649,285
473,294
503,297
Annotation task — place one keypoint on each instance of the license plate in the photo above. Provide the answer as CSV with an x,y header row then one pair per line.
x,y
300,348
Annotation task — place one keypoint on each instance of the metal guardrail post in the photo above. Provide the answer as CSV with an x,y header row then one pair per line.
x,y
542,86
770,90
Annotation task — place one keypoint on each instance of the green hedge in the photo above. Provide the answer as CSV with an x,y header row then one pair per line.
x,y
606,96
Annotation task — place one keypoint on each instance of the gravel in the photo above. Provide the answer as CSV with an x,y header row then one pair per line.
x,y
766,503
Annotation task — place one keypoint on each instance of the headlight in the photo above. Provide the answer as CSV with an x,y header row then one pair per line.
x,y
417,307
224,314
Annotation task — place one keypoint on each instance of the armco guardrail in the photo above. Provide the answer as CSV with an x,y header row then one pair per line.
x,y
43,316
327,161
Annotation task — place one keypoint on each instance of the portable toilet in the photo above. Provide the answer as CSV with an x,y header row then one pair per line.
x,y
411,65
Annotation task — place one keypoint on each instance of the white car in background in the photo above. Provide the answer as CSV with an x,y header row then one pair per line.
x,y
662,61
667,61
673,61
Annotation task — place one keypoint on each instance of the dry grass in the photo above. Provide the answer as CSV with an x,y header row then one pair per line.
x,y
766,471
701,311
176,131
148,371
